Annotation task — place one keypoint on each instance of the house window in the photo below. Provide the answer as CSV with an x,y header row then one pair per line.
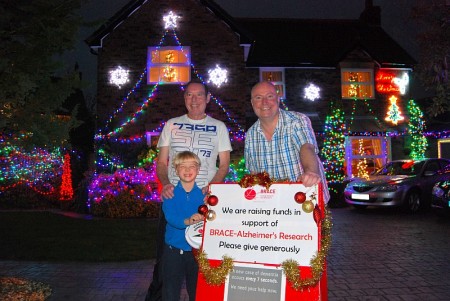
x,y
364,155
444,148
168,65
357,83
276,77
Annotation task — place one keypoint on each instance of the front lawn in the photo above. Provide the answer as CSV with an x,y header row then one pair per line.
x,y
52,237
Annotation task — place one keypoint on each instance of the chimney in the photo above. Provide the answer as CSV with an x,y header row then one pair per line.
x,y
371,14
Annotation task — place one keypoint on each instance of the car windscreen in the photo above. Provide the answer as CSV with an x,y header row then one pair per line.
x,y
396,168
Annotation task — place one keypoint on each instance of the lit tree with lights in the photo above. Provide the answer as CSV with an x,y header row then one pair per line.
x,y
416,127
66,192
334,144
237,171
394,114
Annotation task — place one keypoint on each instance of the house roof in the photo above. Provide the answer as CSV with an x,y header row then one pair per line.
x,y
320,43
95,39
303,42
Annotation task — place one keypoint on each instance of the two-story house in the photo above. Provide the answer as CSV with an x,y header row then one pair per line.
x,y
318,65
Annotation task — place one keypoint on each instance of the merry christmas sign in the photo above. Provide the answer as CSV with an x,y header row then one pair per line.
x,y
261,228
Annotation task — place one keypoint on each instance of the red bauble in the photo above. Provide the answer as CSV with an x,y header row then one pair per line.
x,y
203,209
317,214
213,200
300,197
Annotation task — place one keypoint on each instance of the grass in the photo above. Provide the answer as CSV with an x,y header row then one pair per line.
x,y
46,236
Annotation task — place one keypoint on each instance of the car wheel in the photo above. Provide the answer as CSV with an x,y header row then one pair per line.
x,y
412,202
360,207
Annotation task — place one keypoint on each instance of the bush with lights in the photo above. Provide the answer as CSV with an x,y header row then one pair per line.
x,y
125,193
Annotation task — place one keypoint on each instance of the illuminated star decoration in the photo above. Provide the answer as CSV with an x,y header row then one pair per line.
x,y
170,20
118,76
402,82
312,92
394,114
217,76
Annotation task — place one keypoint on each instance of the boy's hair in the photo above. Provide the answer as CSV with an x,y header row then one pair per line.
x,y
184,156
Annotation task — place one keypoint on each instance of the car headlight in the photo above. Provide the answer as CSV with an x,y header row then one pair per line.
x,y
387,188
438,191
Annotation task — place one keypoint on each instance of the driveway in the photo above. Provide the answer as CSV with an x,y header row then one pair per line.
x,y
375,255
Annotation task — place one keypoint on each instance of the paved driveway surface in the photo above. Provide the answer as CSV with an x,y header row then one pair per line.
x,y
387,255
376,255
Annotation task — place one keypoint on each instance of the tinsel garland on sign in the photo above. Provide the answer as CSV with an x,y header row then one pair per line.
x,y
214,275
262,179
290,267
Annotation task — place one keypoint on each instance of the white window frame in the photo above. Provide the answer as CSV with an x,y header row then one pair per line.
x,y
277,83
385,155
371,83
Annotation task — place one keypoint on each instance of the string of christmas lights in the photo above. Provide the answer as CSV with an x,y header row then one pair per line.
x,y
334,143
416,126
38,169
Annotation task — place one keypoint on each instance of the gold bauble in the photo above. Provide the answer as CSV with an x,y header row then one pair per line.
x,y
211,215
308,206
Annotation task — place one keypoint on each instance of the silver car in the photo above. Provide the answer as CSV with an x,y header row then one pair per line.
x,y
406,183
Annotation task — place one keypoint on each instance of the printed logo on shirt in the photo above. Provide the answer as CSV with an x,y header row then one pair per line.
x,y
196,127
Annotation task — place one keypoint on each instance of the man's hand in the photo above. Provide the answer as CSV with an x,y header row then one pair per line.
x,y
309,178
195,218
167,191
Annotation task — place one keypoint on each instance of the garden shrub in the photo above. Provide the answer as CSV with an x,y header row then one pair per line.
x,y
24,197
124,194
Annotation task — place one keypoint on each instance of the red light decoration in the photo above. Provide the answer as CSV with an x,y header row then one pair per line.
x,y
66,192
385,82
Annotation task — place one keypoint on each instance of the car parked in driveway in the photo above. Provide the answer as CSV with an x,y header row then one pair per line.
x,y
405,183
440,199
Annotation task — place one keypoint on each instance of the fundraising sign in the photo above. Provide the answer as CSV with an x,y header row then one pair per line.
x,y
259,225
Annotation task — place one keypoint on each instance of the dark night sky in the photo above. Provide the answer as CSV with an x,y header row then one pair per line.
x,y
394,19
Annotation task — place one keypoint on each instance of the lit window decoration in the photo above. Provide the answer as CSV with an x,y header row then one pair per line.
x,y
118,76
169,74
353,91
401,82
362,163
357,84
170,57
312,92
394,114
217,76
170,20
168,65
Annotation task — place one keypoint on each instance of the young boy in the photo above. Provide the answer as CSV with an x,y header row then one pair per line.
x,y
181,211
